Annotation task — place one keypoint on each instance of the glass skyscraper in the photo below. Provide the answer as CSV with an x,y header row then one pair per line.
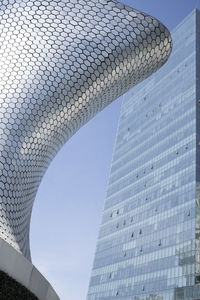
x,y
149,241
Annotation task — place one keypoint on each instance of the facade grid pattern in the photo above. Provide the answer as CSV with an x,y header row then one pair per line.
x,y
148,247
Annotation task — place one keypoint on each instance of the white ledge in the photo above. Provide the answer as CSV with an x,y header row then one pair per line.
x,y
23,271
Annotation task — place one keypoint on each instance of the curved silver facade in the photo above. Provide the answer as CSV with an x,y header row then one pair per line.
x,y
61,62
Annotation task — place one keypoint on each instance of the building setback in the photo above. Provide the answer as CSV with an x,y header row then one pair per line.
x,y
148,245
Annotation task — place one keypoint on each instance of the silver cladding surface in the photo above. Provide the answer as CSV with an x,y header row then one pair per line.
x,y
61,62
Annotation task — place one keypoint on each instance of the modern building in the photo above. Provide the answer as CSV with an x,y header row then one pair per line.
x,y
61,62
149,240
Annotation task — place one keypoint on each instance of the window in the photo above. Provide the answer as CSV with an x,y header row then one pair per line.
x,y
197,279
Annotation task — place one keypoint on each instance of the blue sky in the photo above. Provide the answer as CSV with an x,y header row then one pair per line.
x,y
69,203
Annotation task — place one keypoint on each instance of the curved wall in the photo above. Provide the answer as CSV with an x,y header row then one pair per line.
x,y
61,62
16,266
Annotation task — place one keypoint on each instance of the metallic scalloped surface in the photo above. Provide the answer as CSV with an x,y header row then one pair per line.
x,y
61,62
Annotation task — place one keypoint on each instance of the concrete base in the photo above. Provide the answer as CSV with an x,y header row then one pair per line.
x,y
19,268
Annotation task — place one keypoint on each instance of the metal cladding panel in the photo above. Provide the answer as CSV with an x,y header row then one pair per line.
x,y
61,62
